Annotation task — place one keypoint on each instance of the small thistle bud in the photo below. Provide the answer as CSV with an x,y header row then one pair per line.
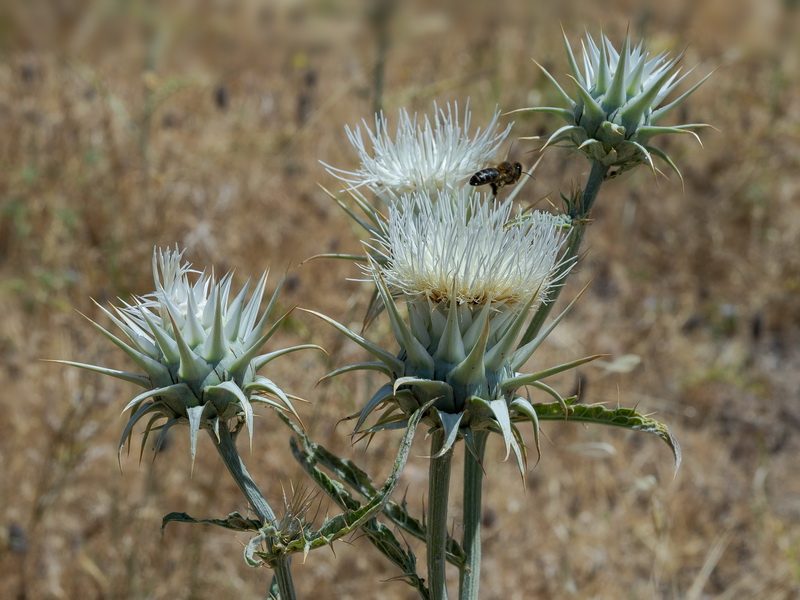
x,y
470,276
426,157
618,106
198,349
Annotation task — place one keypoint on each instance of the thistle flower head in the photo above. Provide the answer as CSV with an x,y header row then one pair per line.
x,y
470,276
619,104
198,349
424,156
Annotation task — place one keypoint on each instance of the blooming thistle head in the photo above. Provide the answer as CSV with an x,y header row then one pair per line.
x,y
618,106
470,276
423,157
198,349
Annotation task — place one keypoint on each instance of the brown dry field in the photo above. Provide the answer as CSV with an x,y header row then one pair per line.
x,y
132,124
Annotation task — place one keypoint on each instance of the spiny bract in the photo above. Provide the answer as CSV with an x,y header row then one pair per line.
x,y
199,352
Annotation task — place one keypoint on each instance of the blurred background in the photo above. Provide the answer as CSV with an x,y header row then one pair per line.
x,y
130,124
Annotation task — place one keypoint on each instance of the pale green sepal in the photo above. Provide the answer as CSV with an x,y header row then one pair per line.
x,y
193,369
564,96
267,385
152,367
136,378
573,64
631,114
192,329
645,133
472,369
146,433
667,159
144,345
644,153
166,344
563,134
142,411
615,95
451,345
366,366
450,425
163,434
564,113
234,313
514,383
660,113
593,113
523,353
259,361
432,386
216,345
351,213
496,357
518,446
416,353
475,331
234,389
394,363
626,418
255,336
522,406
552,392
238,367
176,389
499,409
382,395
250,311
195,414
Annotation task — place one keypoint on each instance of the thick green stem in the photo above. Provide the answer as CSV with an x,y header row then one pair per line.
x,y
473,488
579,213
438,492
226,446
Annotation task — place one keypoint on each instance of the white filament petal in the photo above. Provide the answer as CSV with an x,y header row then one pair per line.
x,y
466,248
427,156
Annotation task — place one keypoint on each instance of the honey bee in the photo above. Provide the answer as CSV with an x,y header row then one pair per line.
x,y
506,173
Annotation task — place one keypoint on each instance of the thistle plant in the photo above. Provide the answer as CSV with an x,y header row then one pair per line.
x,y
466,281
199,350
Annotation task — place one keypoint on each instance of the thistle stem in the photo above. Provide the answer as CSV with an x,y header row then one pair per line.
x,y
471,543
438,492
596,178
226,446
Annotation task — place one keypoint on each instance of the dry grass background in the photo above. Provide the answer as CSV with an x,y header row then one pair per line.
x,y
132,124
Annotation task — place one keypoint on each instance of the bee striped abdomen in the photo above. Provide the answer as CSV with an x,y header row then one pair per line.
x,y
505,173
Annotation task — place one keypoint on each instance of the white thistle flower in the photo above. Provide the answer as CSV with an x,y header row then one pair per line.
x,y
428,156
467,251
198,349
470,276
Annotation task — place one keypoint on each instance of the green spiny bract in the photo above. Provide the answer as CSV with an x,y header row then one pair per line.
x,y
469,281
199,352
618,105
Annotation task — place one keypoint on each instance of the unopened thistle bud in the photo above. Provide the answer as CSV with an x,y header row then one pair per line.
x,y
619,104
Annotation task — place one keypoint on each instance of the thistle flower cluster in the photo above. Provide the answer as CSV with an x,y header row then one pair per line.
x,y
469,271
198,349
618,106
